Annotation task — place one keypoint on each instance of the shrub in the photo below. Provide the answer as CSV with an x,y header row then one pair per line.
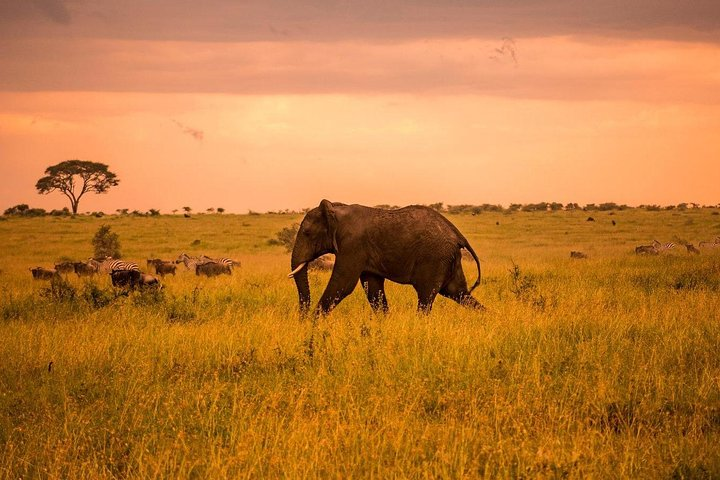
x,y
525,289
65,212
286,237
59,290
106,243
23,210
97,297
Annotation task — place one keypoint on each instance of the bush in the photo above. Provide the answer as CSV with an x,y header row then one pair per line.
x,y
106,243
65,212
23,210
286,237
59,290
525,289
97,297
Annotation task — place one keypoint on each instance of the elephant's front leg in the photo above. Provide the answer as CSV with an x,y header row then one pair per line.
x,y
343,280
374,286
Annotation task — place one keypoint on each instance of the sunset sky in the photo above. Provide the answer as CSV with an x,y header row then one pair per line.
x,y
273,104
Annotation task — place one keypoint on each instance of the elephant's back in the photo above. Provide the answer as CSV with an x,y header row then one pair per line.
x,y
419,218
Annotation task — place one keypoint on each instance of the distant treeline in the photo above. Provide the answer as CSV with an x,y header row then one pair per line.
x,y
23,210
549,207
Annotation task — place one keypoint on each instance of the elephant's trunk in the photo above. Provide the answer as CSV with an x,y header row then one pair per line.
x,y
300,275
303,288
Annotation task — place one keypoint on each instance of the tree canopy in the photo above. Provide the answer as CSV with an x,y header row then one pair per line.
x,y
74,178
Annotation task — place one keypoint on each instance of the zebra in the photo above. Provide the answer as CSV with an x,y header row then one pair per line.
x,y
661,247
109,264
228,262
190,262
713,244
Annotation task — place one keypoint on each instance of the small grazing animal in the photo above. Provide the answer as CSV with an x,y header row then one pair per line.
x,y
83,269
326,262
133,279
65,267
646,250
40,273
575,254
212,269
691,249
165,268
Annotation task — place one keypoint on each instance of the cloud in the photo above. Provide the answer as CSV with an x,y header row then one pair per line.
x,y
375,20
55,10
198,135
548,68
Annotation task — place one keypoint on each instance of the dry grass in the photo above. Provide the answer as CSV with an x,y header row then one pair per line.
x,y
606,367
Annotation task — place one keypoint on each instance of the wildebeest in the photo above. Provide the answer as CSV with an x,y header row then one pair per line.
x,y
646,250
147,280
590,219
151,262
83,269
575,254
325,262
41,273
691,249
65,267
211,269
133,279
164,268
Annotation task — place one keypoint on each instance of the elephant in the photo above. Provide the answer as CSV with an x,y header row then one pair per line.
x,y
414,245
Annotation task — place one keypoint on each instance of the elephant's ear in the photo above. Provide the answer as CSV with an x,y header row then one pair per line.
x,y
328,211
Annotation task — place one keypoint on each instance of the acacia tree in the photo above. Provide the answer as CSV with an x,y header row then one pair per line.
x,y
74,178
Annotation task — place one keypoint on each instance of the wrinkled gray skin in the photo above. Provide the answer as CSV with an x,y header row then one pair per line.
x,y
413,245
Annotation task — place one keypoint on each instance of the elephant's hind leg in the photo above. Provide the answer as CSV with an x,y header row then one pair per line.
x,y
426,297
374,287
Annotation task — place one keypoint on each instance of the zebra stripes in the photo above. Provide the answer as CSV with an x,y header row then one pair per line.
x,y
655,249
189,262
192,262
661,247
109,264
227,262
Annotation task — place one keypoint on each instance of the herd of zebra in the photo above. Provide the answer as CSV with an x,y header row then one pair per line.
x,y
128,274
657,248
125,273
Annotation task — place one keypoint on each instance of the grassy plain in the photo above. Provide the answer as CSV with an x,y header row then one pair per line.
x,y
606,367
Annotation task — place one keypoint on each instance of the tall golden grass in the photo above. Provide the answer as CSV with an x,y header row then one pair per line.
x,y
606,367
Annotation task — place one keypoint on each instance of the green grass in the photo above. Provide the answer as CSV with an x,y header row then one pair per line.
x,y
606,367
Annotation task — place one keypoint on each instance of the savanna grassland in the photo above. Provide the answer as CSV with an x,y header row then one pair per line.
x,y
605,367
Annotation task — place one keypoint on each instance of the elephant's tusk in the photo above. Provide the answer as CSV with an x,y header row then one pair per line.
x,y
299,267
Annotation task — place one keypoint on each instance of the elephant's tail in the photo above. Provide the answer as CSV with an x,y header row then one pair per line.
x,y
477,262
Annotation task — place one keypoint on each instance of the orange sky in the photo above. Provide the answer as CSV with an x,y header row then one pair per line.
x,y
271,105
